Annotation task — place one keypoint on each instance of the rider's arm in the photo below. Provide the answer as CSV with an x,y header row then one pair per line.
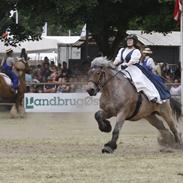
x,y
118,60
135,57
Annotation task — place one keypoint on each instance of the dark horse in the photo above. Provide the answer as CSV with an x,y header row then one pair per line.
x,y
21,67
119,98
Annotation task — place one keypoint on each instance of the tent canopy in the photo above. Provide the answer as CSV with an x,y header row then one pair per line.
x,y
46,44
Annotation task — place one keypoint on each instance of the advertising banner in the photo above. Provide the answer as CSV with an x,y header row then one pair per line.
x,y
60,102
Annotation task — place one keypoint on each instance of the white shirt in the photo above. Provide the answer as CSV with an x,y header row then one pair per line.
x,y
175,90
9,61
135,57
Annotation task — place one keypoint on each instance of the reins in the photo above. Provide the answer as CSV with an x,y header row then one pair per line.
x,y
113,76
98,83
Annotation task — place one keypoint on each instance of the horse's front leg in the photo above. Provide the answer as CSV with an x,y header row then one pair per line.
x,y
20,107
103,124
112,145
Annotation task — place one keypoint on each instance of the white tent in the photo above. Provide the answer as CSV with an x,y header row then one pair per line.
x,y
47,46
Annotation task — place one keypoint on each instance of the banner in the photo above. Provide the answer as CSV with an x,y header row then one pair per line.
x,y
60,102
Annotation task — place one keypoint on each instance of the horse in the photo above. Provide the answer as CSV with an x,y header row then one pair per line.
x,y
20,67
120,99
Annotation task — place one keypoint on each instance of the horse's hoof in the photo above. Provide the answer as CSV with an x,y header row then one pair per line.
x,y
166,139
107,150
105,128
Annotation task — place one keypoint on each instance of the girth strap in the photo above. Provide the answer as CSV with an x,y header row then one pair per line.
x,y
137,108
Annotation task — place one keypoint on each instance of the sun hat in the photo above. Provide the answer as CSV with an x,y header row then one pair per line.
x,y
9,50
147,50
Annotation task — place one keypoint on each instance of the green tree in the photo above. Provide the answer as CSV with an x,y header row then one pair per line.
x,y
107,20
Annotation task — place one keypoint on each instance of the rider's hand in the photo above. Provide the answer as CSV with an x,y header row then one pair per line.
x,y
124,66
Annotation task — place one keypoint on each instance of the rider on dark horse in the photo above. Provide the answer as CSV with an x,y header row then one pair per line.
x,y
7,67
128,59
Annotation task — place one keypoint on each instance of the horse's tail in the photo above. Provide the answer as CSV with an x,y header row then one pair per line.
x,y
176,108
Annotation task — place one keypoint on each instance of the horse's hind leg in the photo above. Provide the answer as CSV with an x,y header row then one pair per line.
x,y
167,115
166,138
103,124
13,111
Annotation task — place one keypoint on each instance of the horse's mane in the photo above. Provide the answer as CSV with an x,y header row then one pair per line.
x,y
102,62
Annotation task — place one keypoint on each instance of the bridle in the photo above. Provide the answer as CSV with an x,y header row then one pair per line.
x,y
99,84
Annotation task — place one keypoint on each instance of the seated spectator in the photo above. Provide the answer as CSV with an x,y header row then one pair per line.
x,y
175,90
35,88
50,87
64,86
37,72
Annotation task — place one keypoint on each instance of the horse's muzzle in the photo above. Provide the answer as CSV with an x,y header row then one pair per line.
x,y
91,92
91,89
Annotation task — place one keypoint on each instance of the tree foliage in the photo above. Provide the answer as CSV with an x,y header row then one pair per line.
x,y
107,20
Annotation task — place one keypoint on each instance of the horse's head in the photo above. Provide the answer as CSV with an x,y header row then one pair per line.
x,y
96,77
21,67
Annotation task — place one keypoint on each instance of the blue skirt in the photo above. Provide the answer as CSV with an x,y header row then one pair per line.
x,y
157,81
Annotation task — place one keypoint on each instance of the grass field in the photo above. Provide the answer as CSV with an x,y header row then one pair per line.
x,y
66,148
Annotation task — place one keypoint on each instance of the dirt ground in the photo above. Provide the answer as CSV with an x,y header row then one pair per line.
x,y
66,148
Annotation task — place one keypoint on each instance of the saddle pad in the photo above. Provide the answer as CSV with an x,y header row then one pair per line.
x,y
6,79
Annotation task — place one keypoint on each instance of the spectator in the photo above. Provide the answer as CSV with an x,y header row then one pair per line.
x,y
158,68
178,71
37,73
52,66
175,90
64,86
50,87
45,72
65,70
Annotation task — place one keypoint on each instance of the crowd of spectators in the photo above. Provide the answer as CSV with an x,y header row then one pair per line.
x,y
171,74
49,78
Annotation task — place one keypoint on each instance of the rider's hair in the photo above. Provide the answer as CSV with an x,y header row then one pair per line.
x,y
135,40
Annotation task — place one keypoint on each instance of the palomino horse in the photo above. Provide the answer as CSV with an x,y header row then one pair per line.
x,y
119,98
21,67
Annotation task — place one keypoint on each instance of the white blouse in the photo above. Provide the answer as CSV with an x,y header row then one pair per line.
x,y
135,57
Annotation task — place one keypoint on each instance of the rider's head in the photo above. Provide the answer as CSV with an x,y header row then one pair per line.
x,y
131,40
9,52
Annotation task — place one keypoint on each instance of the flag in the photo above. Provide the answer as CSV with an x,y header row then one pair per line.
x,y
45,29
83,32
5,35
177,10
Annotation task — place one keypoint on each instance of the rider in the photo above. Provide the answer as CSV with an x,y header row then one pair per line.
x,y
129,54
128,58
147,60
7,66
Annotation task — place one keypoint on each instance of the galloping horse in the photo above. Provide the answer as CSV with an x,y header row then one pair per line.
x,y
119,98
21,67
